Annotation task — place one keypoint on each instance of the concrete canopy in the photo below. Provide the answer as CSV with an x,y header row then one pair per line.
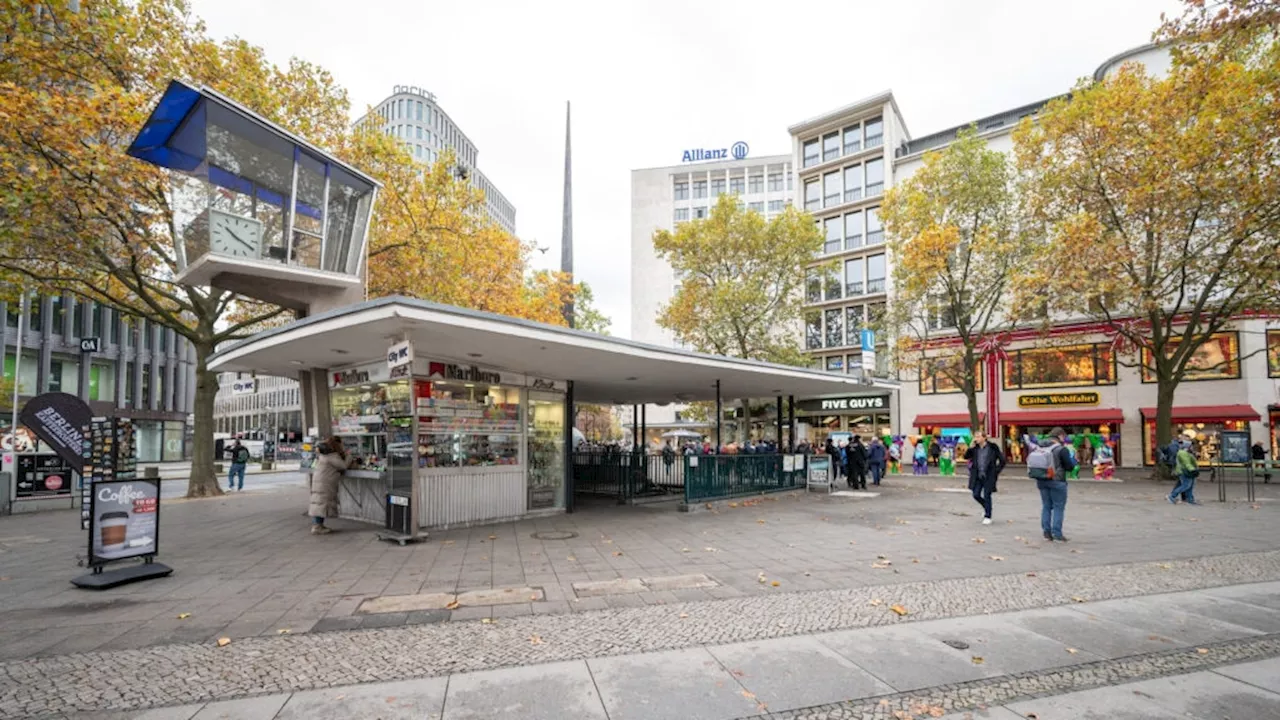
x,y
604,369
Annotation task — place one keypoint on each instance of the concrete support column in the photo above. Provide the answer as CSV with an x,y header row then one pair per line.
x,y
86,359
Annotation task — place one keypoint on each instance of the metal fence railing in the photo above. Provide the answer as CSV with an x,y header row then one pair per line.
x,y
627,475
710,477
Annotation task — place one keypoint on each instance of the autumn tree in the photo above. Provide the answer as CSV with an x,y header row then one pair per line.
x,y
77,81
1160,200
740,282
955,243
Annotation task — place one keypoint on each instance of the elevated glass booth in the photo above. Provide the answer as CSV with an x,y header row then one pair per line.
x,y
252,202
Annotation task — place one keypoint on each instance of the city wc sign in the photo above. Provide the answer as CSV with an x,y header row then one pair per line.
x,y
738,151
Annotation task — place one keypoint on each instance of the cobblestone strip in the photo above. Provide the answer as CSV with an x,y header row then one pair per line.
x,y
990,692
193,673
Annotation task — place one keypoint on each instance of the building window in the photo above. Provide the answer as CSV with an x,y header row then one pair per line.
x,y
813,330
147,330
875,177
811,154
831,189
875,273
812,286
853,321
941,313
831,146
775,206
875,230
875,314
58,313
146,386
1273,354
55,376
791,182
757,207
852,139
11,309
942,376
737,185
77,317
1218,358
755,184
853,230
682,191
775,182
699,212
835,364
835,328
874,133
832,286
812,195
99,320
418,115
717,187
831,228
853,276
699,189
1060,367
681,214
853,183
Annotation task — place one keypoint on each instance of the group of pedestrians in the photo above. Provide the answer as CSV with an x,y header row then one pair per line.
x,y
1048,464
854,460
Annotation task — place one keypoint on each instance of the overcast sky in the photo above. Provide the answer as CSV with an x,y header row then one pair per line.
x,y
649,79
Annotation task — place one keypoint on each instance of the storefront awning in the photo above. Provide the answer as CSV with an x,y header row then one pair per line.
x,y
1050,418
1207,413
603,369
947,419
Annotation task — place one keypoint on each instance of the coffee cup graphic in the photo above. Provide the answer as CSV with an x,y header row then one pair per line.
x,y
114,526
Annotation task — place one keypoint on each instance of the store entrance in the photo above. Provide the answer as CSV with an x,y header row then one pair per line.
x,y
1096,447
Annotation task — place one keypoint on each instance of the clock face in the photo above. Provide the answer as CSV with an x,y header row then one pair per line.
x,y
234,235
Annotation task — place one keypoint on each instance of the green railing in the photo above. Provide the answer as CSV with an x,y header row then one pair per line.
x,y
627,475
710,477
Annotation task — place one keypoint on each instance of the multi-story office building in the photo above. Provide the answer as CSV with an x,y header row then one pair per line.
x,y
1026,386
412,115
143,371
250,407
662,198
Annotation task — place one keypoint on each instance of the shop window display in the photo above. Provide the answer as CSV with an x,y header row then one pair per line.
x,y
943,377
372,420
1273,353
1205,437
1216,359
546,450
1094,446
1060,367
468,425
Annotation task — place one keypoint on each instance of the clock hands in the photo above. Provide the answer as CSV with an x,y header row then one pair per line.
x,y
237,239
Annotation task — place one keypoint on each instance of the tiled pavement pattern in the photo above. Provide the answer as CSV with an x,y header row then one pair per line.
x,y
190,673
246,565
1198,654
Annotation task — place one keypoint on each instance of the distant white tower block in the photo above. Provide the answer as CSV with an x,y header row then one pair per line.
x,y
258,210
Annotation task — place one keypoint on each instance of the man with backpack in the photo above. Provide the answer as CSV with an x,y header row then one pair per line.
x,y
1048,464
1187,470
239,459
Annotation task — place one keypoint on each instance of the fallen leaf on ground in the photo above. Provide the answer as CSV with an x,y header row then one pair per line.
x,y
183,616
1073,651
881,564
748,695
738,673
1203,651
997,558
875,602
533,598
447,542
807,573
391,699
224,641
709,549
572,558
761,578
761,521
617,553
915,561
898,609
453,605
775,583
684,549
283,631
1077,598
1031,574
733,504
1254,506
486,621
708,506
682,616
979,540
493,537
977,660
535,640
1032,716
1017,537
1164,566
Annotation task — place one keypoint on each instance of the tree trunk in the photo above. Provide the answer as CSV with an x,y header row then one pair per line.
x,y
975,422
204,482
1164,426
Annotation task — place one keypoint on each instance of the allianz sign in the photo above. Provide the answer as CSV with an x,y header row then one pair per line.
x,y
738,151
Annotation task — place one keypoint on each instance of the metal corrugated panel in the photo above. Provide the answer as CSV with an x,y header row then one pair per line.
x,y
361,500
472,496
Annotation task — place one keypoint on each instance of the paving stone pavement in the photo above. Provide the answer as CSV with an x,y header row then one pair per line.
x,y
180,674
246,565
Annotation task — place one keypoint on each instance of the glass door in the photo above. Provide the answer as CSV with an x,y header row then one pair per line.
x,y
546,450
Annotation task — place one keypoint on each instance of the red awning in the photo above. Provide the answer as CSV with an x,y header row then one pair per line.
x,y
948,419
1049,418
1207,413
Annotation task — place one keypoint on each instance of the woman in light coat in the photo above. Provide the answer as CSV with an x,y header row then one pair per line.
x,y
331,461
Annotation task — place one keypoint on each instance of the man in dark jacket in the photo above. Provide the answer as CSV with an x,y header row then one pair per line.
x,y
985,463
239,461
857,463
875,460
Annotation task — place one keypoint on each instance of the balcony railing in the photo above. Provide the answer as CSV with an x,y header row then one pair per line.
x,y
874,189
831,246
812,204
833,292
875,141
853,288
875,286
854,194
852,242
830,154
875,237
831,200
810,160
852,146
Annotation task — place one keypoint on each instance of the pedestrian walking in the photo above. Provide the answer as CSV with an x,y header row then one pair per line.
x,y
985,463
239,460
1048,464
935,454
331,461
1188,470
919,460
1259,456
857,463
875,461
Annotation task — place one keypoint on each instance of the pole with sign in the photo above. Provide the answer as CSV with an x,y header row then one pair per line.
x,y
868,352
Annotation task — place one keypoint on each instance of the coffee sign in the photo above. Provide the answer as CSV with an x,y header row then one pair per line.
x,y
125,520
1058,399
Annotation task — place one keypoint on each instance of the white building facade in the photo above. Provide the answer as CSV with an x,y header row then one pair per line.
x,y
256,407
664,197
412,115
